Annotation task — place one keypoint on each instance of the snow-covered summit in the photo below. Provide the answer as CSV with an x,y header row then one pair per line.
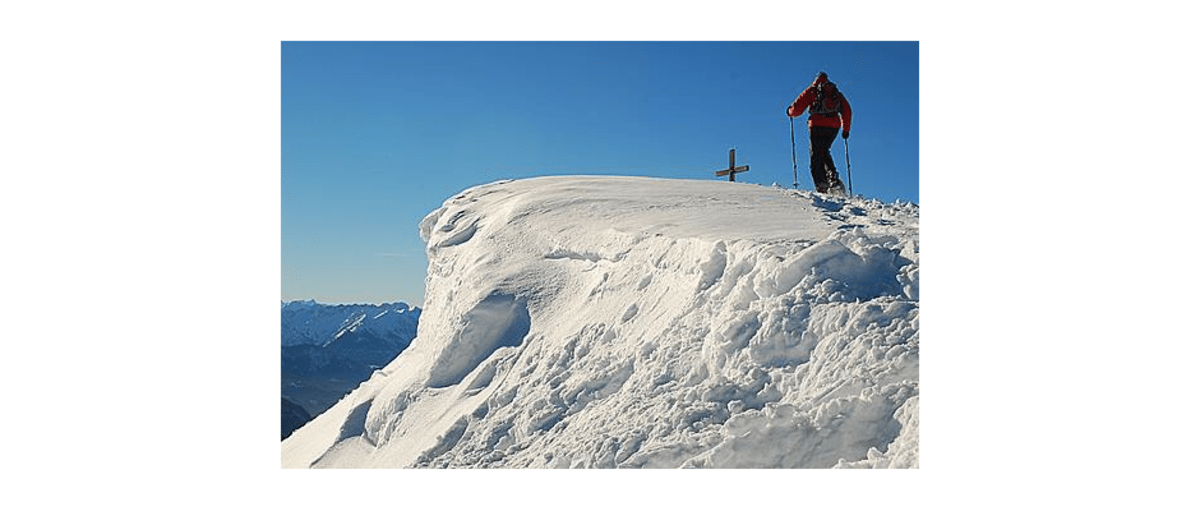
x,y
637,322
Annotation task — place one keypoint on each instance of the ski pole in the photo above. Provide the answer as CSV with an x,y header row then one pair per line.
x,y
849,180
795,175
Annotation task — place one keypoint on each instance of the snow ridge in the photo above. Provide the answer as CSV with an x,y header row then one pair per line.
x,y
597,322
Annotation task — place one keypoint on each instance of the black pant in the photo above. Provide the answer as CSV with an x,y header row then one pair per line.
x,y
820,162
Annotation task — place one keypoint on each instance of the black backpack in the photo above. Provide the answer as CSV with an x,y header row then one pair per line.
x,y
828,102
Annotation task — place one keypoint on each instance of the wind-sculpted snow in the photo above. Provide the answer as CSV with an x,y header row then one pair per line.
x,y
635,322
498,321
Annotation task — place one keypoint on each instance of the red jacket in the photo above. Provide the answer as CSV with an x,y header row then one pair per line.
x,y
806,99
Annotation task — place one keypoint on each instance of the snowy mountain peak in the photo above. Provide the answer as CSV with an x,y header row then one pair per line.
x,y
636,322
309,322
298,304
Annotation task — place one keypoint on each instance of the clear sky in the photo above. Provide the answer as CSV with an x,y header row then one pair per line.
x,y
375,135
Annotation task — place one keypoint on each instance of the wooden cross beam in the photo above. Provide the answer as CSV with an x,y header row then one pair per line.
x,y
732,171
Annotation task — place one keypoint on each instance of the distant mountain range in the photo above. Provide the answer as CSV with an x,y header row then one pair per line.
x,y
327,350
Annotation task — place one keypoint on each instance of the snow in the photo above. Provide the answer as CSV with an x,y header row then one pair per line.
x,y
594,322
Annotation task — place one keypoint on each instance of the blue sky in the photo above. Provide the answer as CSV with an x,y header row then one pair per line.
x,y
376,135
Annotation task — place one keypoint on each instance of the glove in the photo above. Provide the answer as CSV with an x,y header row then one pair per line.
x,y
845,133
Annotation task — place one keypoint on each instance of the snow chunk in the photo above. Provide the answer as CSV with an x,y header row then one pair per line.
x,y
632,322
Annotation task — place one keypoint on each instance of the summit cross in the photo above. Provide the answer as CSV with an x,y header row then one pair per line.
x,y
732,170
